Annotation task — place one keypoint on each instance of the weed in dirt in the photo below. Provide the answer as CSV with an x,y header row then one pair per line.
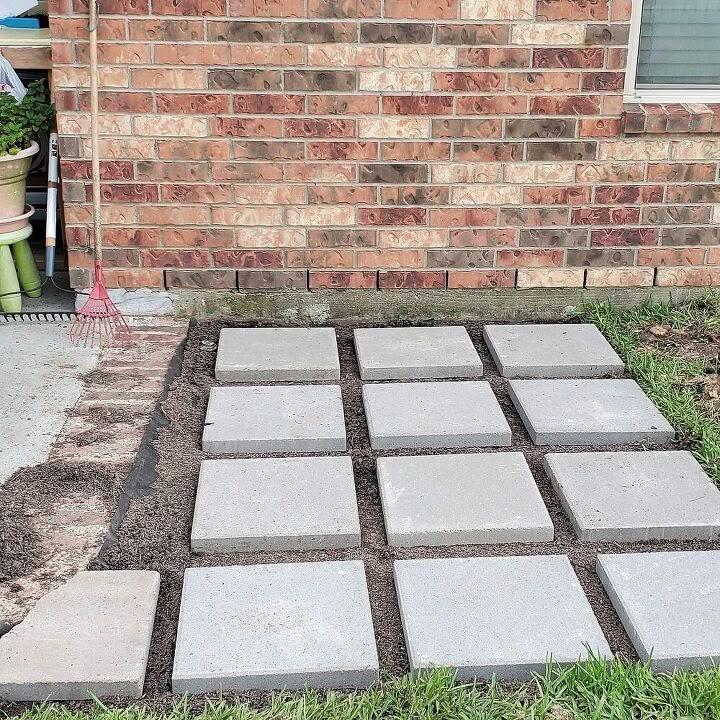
x,y
594,690
672,351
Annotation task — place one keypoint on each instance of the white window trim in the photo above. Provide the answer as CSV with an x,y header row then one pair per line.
x,y
633,94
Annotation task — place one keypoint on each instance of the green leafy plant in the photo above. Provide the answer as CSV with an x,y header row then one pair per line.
x,y
23,122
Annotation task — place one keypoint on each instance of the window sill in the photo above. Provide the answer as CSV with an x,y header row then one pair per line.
x,y
670,118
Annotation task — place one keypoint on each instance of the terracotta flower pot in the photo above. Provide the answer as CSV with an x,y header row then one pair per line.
x,y
17,223
13,176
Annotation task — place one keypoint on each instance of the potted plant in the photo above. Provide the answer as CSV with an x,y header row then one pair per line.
x,y
21,124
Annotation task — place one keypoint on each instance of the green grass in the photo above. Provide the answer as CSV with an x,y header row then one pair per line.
x,y
662,375
595,690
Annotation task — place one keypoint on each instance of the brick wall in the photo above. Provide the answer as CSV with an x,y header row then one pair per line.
x,y
380,143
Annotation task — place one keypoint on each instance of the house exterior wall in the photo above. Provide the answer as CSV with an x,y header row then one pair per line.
x,y
380,143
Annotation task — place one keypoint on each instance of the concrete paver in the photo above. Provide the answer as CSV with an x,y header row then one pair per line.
x,y
669,603
274,419
89,637
275,504
588,412
461,499
416,353
551,351
495,615
274,627
253,355
434,414
635,496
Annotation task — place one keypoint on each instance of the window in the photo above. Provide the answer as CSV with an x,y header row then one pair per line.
x,y
674,53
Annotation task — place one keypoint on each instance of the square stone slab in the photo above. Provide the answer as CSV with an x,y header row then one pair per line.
x,y
89,637
633,496
274,419
495,615
461,499
415,353
551,351
273,504
277,354
269,627
434,415
669,603
588,412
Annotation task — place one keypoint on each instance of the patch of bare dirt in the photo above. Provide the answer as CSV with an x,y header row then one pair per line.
x,y
53,518
686,343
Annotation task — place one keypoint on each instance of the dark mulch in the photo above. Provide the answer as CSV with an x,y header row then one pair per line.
x,y
155,533
31,493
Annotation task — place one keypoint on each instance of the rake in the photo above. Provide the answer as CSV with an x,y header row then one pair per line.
x,y
98,320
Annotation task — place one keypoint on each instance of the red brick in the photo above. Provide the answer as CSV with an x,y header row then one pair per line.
x,y
543,81
193,103
307,127
272,279
209,279
196,193
484,237
343,151
624,237
463,217
488,151
395,279
671,256
246,259
334,195
626,194
468,81
572,10
343,8
392,216
390,258
530,258
189,7
176,258
422,9
115,278
417,105
268,104
342,280
415,150
603,81
568,58
556,195
688,277
109,170
267,8
599,127
247,127
565,105
130,193
320,258
475,279
495,57
166,29
605,216
343,104
502,104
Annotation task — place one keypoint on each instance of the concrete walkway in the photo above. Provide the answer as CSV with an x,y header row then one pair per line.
x,y
42,379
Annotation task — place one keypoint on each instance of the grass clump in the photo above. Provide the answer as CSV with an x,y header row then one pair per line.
x,y
665,371
592,690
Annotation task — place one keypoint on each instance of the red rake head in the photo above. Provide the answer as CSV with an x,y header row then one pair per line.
x,y
98,320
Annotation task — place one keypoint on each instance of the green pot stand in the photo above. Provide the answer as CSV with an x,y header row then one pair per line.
x,y
17,267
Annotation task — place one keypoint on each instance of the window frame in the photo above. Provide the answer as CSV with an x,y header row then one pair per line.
x,y
659,94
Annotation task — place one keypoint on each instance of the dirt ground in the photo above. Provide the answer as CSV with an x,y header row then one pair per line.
x,y
155,532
